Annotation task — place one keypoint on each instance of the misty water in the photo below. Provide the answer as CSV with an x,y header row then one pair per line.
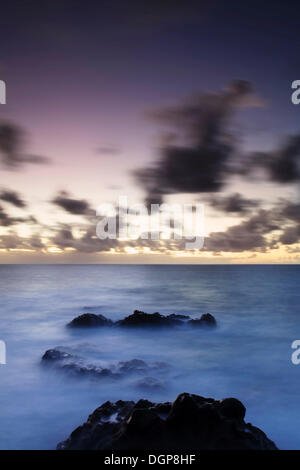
x,y
248,356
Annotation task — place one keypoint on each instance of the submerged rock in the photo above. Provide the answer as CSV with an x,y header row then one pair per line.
x,y
205,320
149,383
75,366
139,318
190,422
90,320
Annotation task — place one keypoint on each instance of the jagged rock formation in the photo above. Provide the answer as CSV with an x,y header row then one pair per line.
x,y
190,422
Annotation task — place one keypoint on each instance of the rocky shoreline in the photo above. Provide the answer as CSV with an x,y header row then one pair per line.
x,y
190,422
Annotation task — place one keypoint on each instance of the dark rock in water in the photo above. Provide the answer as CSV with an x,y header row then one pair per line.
x,y
89,320
91,372
75,366
190,422
139,318
135,365
149,383
205,320
147,319
53,355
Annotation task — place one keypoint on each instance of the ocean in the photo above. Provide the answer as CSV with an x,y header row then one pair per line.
x,y
248,356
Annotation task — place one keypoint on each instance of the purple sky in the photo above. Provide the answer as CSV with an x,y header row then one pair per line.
x,y
82,79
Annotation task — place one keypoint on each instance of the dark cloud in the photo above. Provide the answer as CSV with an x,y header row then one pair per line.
x,y
290,214
13,198
290,235
71,205
199,154
12,155
232,204
248,235
87,243
263,230
199,161
11,241
280,165
293,212
6,220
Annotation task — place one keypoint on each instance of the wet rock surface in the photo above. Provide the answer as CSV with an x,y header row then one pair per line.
x,y
190,422
143,319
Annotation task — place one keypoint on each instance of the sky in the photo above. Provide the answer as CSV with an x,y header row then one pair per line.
x,y
164,102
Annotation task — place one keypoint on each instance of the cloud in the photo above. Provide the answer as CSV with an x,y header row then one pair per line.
x,y
290,213
290,236
71,205
87,243
280,165
6,220
290,210
11,241
13,198
258,233
232,204
12,155
199,154
197,158
248,235
251,233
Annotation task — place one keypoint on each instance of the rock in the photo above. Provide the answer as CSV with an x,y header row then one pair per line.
x,y
75,366
53,355
135,365
176,316
139,318
143,421
149,383
205,320
90,320
147,319
232,408
190,422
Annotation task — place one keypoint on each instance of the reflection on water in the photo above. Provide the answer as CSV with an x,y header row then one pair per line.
x,y
248,356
